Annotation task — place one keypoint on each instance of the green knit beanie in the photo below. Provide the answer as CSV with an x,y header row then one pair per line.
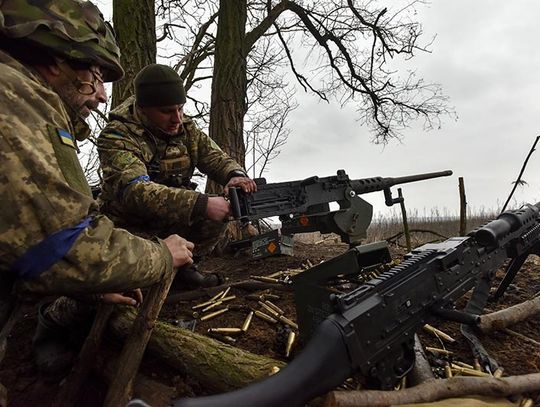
x,y
159,85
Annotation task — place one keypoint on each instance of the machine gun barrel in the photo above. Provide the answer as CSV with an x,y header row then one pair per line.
x,y
367,185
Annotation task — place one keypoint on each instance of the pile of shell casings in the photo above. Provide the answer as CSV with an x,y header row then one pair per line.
x,y
445,366
267,311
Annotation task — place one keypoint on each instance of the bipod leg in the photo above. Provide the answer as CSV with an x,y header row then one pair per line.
x,y
121,388
513,267
71,385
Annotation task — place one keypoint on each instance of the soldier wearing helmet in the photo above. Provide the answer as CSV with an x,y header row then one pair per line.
x,y
54,58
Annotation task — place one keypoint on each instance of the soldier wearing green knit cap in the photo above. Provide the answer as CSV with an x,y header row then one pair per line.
x,y
149,152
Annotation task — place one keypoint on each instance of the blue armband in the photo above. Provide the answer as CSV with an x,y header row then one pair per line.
x,y
40,257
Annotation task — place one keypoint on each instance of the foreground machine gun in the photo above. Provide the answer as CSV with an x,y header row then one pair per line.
x,y
303,206
370,330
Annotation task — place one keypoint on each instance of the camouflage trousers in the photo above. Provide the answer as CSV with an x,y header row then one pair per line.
x,y
206,234
66,312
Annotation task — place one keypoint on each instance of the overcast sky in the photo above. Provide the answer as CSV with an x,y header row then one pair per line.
x,y
487,58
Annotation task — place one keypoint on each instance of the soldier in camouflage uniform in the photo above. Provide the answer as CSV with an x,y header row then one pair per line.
x,y
54,58
149,151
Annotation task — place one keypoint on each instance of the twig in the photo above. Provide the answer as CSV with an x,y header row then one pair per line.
x,y
518,180
521,336
437,390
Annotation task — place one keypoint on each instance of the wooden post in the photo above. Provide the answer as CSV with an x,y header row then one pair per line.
x,y
70,388
405,222
462,208
121,388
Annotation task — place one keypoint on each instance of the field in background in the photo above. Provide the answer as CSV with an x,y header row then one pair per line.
x,y
426,227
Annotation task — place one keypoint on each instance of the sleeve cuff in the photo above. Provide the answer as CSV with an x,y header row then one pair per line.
x,y
199,209
236,173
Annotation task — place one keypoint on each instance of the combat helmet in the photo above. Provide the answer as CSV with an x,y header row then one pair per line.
x,y
72,29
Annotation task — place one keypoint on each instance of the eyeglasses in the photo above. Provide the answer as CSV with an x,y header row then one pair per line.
x,y
83,87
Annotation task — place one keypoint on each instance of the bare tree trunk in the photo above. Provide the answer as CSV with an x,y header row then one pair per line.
x,y
135,26
229,83
217,366
437,390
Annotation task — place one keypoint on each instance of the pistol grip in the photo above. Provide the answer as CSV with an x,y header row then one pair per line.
x,y
235,202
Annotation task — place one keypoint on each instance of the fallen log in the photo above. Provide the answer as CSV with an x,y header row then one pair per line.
x,y
510,316
436,390
217,366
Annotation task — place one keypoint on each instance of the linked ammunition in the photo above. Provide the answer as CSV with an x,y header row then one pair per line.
x,y
225,331
290,342
267,318
247,321
439,333
214,314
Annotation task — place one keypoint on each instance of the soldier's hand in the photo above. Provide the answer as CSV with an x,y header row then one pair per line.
x,y
218,209
134,298
247,184
181,250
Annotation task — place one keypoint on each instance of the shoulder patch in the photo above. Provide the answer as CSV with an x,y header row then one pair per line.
x,y
66,138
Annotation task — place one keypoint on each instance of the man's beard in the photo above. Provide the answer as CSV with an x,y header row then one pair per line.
x,y
77,107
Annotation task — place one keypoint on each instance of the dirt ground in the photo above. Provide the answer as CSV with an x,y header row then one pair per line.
x,y
515,355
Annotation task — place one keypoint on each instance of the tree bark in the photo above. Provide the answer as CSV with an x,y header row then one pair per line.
x,y
229,83
437,390
510,316
141,330
219,367
135,25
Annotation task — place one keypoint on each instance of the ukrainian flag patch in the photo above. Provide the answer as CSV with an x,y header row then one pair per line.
x,y
66,138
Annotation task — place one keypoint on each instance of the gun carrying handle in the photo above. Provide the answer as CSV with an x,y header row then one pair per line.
x,y
235,202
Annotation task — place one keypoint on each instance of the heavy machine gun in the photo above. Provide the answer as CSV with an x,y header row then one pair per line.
x,y
370,330
303,206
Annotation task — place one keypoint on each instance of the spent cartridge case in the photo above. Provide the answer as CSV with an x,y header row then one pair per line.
x,y
439,351
213,314
526,403
290,342
264,279
439,333
287,321
213,305
468,372
229,298
274,307
247,321
225,331
448,371
498,373
203,304
270,297
224,294
461,364
477,365
264,316
218,295
269,310
276,274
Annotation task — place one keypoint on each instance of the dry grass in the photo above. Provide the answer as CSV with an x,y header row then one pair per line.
x,y
426,227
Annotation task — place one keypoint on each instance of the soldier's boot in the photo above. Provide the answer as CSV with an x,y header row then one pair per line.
x,y
189,278
51,348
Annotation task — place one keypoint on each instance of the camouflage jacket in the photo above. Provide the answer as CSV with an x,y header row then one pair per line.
x,y
146,173
44,192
